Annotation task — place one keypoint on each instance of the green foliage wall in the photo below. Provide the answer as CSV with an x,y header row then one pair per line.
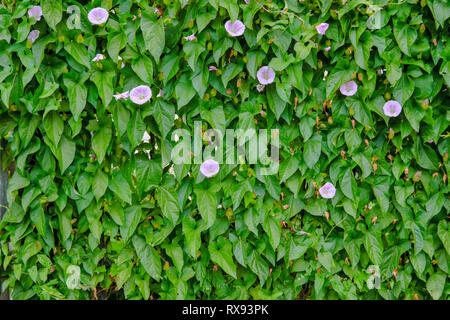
x,y
95,212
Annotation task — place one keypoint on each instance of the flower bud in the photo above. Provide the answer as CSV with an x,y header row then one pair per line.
x,y
80,38
422,28
391,133
351,111
417,176
330,120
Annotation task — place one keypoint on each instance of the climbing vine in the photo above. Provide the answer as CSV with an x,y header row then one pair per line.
x,y
93,94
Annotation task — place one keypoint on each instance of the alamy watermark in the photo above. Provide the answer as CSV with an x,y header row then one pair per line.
x,y
234,146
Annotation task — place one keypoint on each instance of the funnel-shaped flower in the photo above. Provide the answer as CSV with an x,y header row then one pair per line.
x,y
327,191
349,88
209,168
35,12
321,28
33,35
265,75
98,16
392,108
235,29
141,94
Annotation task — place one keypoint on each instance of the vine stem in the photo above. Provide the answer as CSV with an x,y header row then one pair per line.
x,y
284,11
333,229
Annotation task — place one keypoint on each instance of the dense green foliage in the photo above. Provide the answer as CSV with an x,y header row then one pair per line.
x,y
95,212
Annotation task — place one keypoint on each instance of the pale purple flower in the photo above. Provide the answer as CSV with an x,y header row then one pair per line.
x,y
141,94
327,191
209,168
392,108
123,95
160,94
247,1
98,57
349,88
265,75
35,12
235,29
303,232
262,112
327,49
33,35
158,11
212,68
260,87
190,38
321,28
98,16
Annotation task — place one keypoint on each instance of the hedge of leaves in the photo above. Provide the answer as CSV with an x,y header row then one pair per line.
x,y
98,212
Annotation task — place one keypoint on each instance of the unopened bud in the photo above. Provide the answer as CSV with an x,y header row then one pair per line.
x,y
391,133
417,176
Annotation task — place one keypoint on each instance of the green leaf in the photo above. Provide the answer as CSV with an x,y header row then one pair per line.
x,y
435,284
348,185
120,187
144,68
404,35
133,216
148,257
374,247
164,114
168,204
444,235
312,149
52,12
101,140
79,53
288,168
49,88
272,228
184,91
66,153
221,254
104,82
207,205
54,126
136,128
440,10
99,184
77,99
153,33
273,186
425,156
403,89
